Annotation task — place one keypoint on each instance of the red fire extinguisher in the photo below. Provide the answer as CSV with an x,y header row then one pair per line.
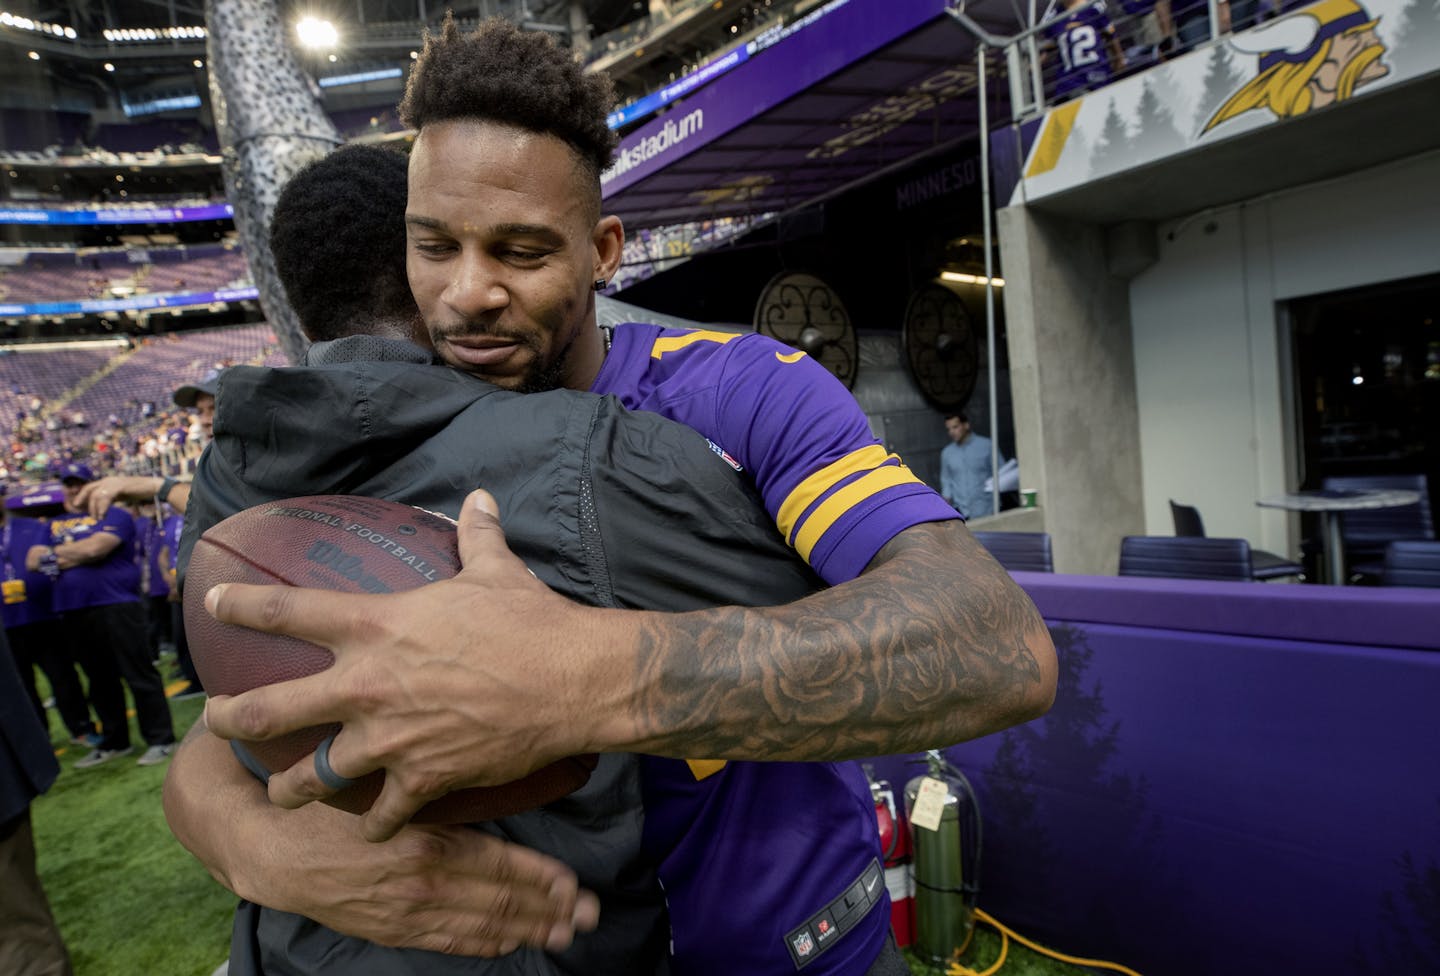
x,y
895,842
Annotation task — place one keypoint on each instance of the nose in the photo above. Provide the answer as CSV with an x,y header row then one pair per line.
x,y
475,287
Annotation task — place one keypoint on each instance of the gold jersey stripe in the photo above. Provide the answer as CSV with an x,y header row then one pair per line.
x,y
671,343
822,481
701,768
847,498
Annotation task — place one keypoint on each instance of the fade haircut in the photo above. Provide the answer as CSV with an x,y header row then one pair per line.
x,y
338,237
500,73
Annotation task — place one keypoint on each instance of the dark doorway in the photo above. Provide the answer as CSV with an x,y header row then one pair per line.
x,y
1367,378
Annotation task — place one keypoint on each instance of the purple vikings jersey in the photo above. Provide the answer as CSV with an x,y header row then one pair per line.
x,y
833,491
772,867
170,537
1081,39
28,603
149,539
114,579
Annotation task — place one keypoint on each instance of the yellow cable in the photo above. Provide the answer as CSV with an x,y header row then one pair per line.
x,y
955,969
1075,960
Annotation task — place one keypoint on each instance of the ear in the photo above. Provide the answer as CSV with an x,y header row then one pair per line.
x,y
609,242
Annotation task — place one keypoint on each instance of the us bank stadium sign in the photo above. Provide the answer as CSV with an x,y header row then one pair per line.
x,y
1300,62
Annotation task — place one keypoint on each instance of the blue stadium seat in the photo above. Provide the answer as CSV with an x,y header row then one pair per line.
x,y
1185,558
1414,563
1024,551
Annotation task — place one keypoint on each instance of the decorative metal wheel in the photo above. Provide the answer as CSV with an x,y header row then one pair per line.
x,y
803,312
940,346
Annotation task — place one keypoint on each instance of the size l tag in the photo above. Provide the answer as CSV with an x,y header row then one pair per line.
x,y
929,803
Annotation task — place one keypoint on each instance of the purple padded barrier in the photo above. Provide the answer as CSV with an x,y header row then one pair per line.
x,y
1344,615
1235,778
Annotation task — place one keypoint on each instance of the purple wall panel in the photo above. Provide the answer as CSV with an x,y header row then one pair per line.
x,y
1201,802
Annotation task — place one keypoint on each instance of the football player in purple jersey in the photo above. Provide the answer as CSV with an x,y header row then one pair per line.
x,y
923,641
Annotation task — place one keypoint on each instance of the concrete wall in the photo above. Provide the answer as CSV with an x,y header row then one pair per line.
x,y
1072,378
1211,375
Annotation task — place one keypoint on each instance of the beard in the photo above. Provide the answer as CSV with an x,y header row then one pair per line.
x,y
543,376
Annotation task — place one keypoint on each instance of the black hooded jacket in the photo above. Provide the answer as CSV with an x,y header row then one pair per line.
x,y
608,507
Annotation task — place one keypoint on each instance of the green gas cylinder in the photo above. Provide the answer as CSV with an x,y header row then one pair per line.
x,y
944,825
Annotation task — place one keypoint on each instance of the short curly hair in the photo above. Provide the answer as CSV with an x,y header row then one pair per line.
x,y
500,73
338,238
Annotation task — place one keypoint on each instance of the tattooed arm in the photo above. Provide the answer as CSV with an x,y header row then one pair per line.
x,y
480,679
934,644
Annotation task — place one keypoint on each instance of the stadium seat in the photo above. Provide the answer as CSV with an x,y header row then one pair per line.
x,y
1412,563
1367,532
1185,558
1024,551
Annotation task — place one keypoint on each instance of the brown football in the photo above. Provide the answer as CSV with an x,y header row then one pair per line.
x,y
355,545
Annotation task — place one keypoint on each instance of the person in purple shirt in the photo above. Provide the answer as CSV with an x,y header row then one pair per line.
x,y
154,587
31,623
166,550
923,640
1089,55
97,594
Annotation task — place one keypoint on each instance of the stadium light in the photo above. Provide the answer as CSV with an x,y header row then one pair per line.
x,y
7,19
969,279
315,33
195,33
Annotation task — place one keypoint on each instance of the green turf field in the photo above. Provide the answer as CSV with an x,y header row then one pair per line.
x,y
131,901
128,898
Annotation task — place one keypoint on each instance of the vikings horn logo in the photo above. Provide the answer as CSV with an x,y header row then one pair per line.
x,y
1308,60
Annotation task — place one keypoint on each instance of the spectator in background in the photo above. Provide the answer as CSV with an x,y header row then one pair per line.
x,y
1151,32
965,467
97,593
100,495
30,941
165,492
154,586
1192,21
33,628
173,525
1089,53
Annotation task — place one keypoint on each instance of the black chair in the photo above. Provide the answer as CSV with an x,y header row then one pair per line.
x,y
1414,563
1025,551
1178,557
1267,565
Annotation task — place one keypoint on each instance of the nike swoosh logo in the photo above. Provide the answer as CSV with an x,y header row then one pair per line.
x,y
792,357
871,886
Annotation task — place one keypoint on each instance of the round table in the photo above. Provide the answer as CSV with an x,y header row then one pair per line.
x,y
1330,503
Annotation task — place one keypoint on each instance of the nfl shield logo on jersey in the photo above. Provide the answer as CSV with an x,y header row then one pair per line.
x,y
804,945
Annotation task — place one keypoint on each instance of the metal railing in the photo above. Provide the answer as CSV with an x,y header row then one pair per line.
x,y
1070,51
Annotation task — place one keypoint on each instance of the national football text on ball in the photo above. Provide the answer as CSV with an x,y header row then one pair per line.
x,y
349,565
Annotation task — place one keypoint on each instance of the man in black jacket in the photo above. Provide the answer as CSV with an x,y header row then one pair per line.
x,y
610,508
